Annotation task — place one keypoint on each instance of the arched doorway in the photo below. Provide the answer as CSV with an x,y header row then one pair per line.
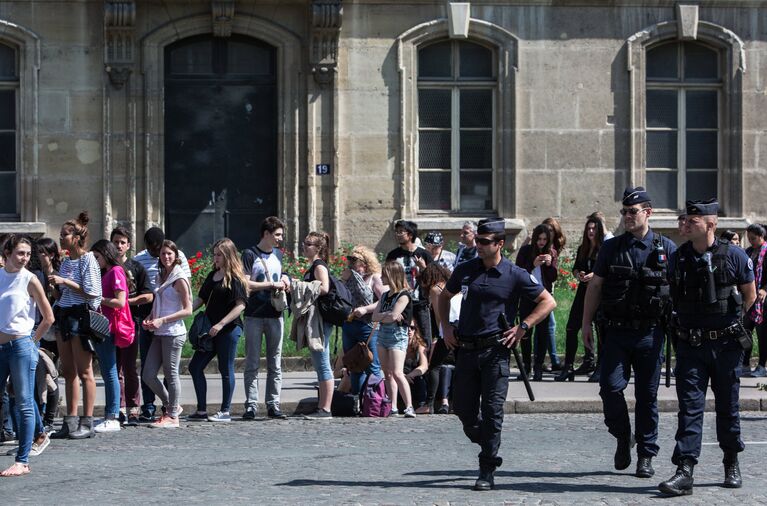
x,y
220,139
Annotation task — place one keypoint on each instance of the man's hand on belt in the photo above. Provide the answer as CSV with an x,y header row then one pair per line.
x,y
512,336
448,334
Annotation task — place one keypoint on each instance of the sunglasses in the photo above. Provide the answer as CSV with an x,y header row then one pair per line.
x,y
484,241
412,327
309,244
632,211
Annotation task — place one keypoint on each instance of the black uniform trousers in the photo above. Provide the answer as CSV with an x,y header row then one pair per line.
x,y
720,362
642,351
480,385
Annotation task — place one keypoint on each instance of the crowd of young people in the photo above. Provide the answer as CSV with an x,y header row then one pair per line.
x,y
146,299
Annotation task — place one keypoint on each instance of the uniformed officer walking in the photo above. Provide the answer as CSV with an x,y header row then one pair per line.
x,y
491,285
712,286
630,290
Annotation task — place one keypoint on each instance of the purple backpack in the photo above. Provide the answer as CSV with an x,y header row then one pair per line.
x,y
375,402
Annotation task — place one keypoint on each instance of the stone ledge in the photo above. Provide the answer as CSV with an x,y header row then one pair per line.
x,y
668,222
36,228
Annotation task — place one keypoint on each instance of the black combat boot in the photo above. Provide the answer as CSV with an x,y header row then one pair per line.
x,y
68,426
644,467
84,430
681,482
567,374
732,477
622,457
486,480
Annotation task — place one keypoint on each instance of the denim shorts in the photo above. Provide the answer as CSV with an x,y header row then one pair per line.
x,y
392,336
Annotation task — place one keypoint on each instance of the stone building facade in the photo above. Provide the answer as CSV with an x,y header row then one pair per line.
x,y
344,115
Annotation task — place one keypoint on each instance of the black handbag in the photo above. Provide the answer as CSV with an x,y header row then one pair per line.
x,y
96,324
198,333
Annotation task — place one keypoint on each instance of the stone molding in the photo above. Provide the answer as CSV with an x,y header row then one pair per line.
x,y
505,44
222,13
326,19
290,155
120,40
27,43
733,56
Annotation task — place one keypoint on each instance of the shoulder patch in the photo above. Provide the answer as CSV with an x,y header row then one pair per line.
x,y
532,278
750,265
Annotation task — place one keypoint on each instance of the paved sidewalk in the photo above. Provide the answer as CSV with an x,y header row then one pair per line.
x,y
299,395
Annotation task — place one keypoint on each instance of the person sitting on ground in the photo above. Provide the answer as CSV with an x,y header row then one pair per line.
x,y
415,366
395,311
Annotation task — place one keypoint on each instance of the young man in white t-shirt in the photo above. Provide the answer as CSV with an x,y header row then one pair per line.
x,y
263,266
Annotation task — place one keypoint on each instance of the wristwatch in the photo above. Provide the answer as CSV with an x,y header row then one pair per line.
x,y
524,326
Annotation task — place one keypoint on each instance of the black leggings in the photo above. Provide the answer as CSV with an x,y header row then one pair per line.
x,y
761,335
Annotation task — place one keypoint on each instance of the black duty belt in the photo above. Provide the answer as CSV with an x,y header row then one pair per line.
x,y
480,343
631,324
697,335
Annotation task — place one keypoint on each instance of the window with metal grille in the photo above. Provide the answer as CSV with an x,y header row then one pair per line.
x,y
684,86
456,127
9,83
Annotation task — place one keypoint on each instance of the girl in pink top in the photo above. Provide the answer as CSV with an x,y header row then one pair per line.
x,y
114,289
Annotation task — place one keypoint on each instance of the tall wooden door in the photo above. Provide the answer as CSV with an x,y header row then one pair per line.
x,y
220,140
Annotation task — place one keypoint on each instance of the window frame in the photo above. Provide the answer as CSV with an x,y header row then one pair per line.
x,y
506,139
681,87
730,185
15,86
456,84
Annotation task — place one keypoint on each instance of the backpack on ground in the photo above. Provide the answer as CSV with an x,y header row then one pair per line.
x,y
336,306
375,402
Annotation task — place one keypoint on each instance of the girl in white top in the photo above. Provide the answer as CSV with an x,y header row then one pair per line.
x,y
78,285
20,295
172,303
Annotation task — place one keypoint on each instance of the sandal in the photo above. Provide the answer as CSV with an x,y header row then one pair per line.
x,y
17,469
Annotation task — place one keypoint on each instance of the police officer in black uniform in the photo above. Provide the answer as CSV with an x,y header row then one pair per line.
x,y
712,285
491,285
630,290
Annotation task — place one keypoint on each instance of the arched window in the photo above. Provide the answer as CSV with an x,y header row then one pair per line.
x,y
682,122
457,82
9,86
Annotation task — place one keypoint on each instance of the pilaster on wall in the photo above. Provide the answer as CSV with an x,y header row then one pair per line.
x,y
119,111
323,199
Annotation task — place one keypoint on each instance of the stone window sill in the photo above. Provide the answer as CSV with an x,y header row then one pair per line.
x,y
34,228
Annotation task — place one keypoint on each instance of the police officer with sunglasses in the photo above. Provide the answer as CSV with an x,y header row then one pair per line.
x,y
491,285
712,288
629,293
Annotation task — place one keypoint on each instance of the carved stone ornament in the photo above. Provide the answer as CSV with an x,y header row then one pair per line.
x,y
222,12
120,37
325,30
687,18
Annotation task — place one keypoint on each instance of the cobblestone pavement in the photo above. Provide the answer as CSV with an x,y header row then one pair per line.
x,y
549,459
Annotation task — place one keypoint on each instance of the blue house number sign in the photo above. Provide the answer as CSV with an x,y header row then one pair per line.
x,y
322,169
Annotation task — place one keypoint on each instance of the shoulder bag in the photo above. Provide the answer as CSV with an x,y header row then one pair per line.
x,y
359,357
198,331
92,322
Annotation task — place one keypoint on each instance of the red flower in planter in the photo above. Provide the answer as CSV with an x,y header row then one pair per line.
x,y
199,254
573,285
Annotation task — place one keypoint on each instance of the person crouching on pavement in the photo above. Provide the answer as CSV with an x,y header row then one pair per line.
x,y
491,286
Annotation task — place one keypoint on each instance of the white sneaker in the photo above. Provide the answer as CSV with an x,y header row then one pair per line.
x,y
109,425
38,448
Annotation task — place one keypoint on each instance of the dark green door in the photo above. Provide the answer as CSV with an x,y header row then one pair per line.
x,y
220,140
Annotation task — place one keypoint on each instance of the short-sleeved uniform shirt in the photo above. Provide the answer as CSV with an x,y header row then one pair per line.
x,y
637,249
488,292
740,268
220,300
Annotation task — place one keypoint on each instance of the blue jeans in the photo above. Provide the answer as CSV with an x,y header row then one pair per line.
x,y
19,359
107,355
225,349
358,331
321,359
